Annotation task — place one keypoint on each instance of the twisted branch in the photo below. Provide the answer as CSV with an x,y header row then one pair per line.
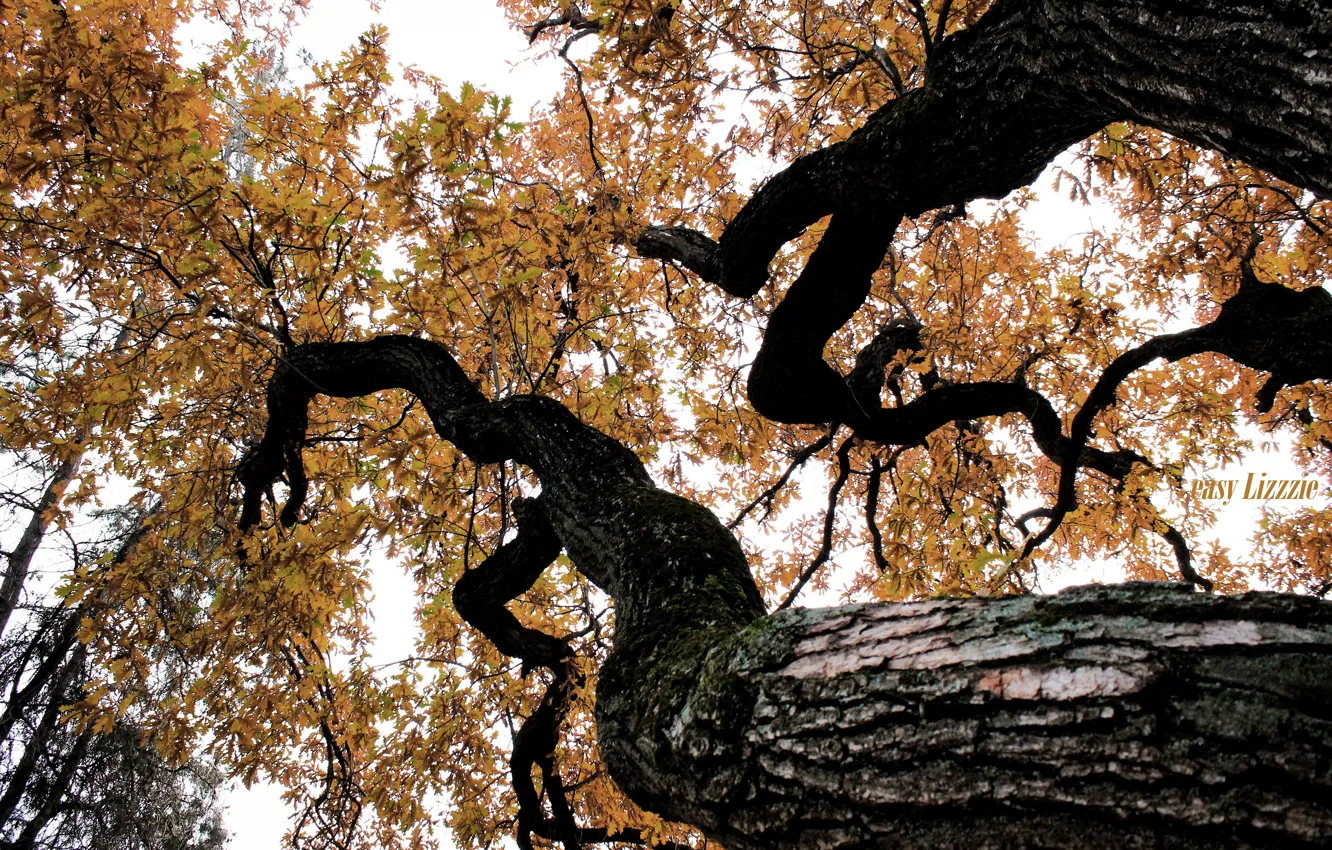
x,y
1263,326
649,549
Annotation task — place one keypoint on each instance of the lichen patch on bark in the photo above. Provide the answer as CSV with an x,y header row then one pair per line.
x,y
1064,683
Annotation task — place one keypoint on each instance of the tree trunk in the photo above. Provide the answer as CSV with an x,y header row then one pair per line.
x,y
1121,717
1005,96
1141,715
19,561
1001,100
34,745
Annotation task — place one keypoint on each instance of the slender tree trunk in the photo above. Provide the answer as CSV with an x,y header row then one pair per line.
x,y
34,745
20,559
51,804
52,657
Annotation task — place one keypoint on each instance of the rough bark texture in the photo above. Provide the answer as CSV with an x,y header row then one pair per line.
x,y
1131,716
1005,96
1136,716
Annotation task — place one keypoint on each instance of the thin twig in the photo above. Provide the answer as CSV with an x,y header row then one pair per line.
x,y
768,495
829,520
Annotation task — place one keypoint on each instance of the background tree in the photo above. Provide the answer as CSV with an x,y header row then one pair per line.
x,y
65,783
70,785
272,285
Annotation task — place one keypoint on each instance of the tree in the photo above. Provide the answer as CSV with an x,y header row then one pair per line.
x,y
64,784
1137,716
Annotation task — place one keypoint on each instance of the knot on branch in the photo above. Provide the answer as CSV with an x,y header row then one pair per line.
x,y
572,17
689,248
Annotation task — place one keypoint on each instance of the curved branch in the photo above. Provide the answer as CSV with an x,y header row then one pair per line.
x,y
706,710
598,494
1002,98
663,559
479,597
1183,557
791,382
572,17
914,421
480,594
348,369
1031,78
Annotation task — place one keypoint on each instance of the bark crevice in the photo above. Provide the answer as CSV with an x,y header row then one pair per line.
x,y
1138,715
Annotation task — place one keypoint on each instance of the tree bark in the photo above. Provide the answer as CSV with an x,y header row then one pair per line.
x,y
19,561
1001,100
1005,96
1131,716
1126,717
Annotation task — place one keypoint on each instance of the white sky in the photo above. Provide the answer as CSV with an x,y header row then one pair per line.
x,y
461,41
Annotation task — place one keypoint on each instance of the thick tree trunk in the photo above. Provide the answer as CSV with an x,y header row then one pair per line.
x,y
1130,716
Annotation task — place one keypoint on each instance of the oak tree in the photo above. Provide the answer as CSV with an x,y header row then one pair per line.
x,y
310,325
